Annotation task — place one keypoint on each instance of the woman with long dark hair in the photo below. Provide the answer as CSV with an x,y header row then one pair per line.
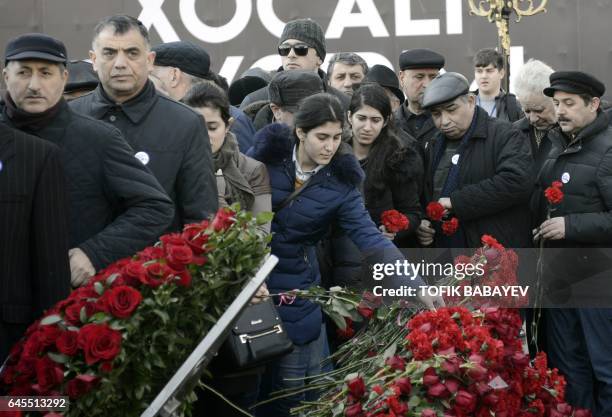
x,y
314,179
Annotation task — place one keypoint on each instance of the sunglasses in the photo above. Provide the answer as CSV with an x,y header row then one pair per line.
x,y
300,50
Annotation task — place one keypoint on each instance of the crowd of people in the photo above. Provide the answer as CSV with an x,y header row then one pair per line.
x,y
100,157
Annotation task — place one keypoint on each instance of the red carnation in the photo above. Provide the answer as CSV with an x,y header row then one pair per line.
x,y
66,343
394,221
81,385
491,242
435,211
449,227
223,219
553,194
122,301
356,387
398,407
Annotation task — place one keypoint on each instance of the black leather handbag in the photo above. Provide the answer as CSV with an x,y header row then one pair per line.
x,y
257,337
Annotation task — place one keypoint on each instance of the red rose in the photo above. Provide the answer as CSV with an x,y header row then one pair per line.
x,y
81,385
451,366
452,385
465,401
134,273
354,410
172,239
356,387
404,384
66,343
553,194
394,221
223,219
435,211
396,362
183,278
99,342
348,330
157,274
32,347
581,412
449,227
151,253
438,390
196,237
72,313
428,412
48,374
179,256
122,301
48,335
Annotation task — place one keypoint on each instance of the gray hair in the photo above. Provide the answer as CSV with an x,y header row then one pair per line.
x,y
532,78
347,58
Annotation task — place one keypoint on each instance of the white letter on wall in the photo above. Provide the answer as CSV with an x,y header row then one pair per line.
x,y
405,26
454,17
268,18
219,34
368,17
153,15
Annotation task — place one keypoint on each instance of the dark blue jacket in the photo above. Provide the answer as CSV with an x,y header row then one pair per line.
x,y
243,129
331,195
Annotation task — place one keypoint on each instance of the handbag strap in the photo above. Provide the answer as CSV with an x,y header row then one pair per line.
x,y
292,196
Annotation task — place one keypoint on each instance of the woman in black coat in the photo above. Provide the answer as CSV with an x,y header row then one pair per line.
x,y
393,174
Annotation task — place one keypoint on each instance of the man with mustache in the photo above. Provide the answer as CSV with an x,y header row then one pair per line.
x,y
579,340
168,137
116,206
477,167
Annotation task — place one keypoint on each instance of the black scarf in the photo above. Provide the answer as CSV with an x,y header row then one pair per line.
x,y
31,121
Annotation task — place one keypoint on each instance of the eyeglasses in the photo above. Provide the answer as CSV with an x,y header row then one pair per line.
x,y
300,50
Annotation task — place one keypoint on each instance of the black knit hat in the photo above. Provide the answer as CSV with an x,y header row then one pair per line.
x,y
307,31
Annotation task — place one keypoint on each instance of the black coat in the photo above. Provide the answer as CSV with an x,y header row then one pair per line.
x,y
402,177
117,207
495,184
404,120
587,202
539,153
172,137
34,269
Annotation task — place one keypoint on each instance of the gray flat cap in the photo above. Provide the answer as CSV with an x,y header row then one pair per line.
x,y
444,88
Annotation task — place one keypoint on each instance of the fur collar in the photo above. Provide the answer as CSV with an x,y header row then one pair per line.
x,y
274,144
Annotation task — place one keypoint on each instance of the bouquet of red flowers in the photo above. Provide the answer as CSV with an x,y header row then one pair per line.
x,y
435,213
115,342
394,221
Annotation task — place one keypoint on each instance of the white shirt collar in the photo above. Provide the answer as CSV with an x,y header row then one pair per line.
x,y
299,173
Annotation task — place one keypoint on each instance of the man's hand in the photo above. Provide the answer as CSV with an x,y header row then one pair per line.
x,y
386,234
446,203
425,233
81,268
551,229
261,294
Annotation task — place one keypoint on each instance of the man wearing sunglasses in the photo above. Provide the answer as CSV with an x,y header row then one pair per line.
x,y
301,47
